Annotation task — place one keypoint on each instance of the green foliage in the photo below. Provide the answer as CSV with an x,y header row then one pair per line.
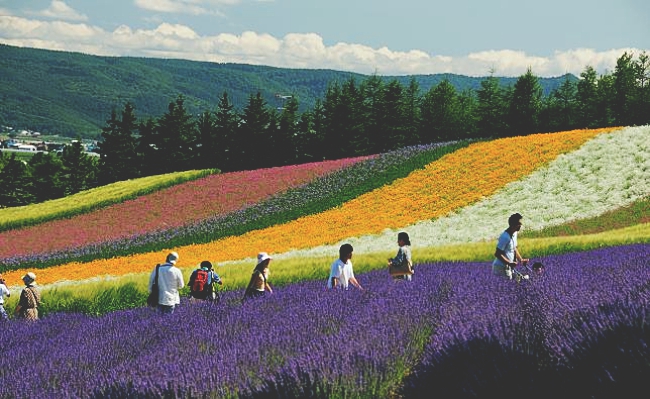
x,y
72,93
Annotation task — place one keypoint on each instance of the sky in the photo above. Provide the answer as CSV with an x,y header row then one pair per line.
x,y
384,37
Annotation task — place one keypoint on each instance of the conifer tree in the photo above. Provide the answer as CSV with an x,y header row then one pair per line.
x,y
176,139
118,159
46,171
226,121
79,169
16,183
253,135
525,104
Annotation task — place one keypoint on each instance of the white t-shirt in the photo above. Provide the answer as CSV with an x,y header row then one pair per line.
x,y
4,291
507,244
341,271
170,280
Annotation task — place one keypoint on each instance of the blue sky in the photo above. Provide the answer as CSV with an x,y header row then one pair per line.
x,y
551,37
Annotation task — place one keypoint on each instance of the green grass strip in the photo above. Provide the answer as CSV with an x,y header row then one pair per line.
x,y
322,194
89,200
635,213
101,296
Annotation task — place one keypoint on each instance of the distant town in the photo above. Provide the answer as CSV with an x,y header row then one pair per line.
x,y
29,141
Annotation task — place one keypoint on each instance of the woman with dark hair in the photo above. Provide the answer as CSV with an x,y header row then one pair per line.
x,y
258,283
401,266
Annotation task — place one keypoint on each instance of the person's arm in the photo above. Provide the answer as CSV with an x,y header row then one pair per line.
x,y
181,282
335,282
355,283
501,255
521,258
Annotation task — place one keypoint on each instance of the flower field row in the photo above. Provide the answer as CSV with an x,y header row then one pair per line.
x,y
608,172
456,180
96,198
179,205
323,193
457,330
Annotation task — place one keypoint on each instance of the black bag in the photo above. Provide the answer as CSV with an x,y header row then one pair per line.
x,y
152,299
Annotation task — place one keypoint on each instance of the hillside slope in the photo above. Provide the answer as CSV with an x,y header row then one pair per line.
x,y
440,191
70,93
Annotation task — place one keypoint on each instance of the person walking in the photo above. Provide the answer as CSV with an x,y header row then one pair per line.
x,y
341,271
4,292
401,266
507,254
170,281
203,281
30,299
259,284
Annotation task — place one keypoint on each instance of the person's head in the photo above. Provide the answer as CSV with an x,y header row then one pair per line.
x,y
29,278
263,260
514,221
538,267
206,264
2,280
345,252
172,258
403,238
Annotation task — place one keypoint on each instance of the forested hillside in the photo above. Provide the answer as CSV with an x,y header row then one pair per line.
x,y
72,93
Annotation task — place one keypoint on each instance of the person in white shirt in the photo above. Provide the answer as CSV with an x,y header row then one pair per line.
x,y
4,292
170,281
341,272
506,254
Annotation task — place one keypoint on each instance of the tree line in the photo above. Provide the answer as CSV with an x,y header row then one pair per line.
x,y
354,118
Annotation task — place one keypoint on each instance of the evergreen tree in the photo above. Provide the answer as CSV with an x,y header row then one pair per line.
x,y
287,134
341,115
46,171
207,152
176,139
225,124
118,158
412,115
79,169
442,113
146,150
587,98
253,135
395,119
642,78
603,113
561,107
491,108
525,105
371,134
625,91
16,183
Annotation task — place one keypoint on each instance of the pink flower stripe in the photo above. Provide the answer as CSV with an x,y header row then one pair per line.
x,y
172,207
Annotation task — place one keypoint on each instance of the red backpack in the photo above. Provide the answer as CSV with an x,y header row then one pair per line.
x,y
198,284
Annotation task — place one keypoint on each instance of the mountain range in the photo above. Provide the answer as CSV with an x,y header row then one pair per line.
x,y
73,94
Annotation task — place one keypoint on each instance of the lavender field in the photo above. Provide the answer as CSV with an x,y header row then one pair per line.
x,y
456,331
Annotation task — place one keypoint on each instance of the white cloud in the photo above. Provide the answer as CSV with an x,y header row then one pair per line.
x,y
294,50
60,10
192,7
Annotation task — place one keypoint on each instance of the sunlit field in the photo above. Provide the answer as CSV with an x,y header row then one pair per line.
x,y
580,329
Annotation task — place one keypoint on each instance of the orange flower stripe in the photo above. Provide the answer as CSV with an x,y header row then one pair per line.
x,y
454,181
